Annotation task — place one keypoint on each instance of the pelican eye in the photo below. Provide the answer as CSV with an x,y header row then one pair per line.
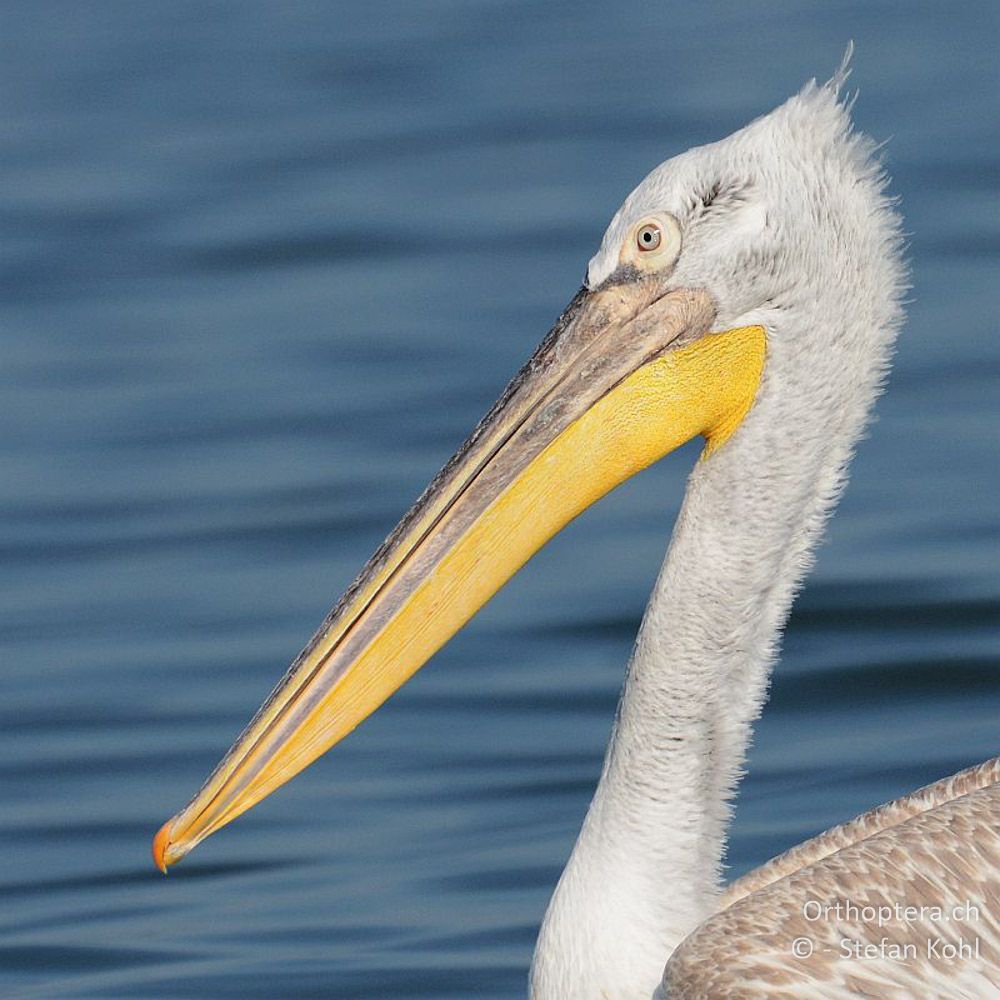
x,y
649,236
653,244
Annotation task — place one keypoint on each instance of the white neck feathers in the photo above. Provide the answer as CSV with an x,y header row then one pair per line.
x,y
646,868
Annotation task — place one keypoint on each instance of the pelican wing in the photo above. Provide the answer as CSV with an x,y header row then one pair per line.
x,y
902,902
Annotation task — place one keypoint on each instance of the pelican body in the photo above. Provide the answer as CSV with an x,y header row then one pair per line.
x,y
748,292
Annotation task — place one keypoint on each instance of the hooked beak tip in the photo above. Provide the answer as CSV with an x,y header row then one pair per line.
x,y
160,844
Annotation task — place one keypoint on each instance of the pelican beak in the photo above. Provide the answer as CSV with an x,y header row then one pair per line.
x,y
629,373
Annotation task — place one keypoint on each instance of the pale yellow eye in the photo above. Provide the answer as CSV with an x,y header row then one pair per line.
x,y
649,236
652,243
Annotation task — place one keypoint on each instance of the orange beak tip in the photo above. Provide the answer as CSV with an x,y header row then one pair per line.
x,y
160,844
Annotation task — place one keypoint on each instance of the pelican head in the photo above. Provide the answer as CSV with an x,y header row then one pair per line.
x,y
746,291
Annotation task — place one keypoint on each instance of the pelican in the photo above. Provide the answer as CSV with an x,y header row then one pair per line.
x,y
747,291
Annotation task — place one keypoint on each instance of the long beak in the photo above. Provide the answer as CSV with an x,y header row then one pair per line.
x,y
626,375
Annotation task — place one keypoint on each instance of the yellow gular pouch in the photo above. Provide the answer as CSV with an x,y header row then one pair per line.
x,y
706,387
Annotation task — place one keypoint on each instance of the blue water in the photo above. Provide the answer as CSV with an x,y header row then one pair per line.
x,y
262,266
